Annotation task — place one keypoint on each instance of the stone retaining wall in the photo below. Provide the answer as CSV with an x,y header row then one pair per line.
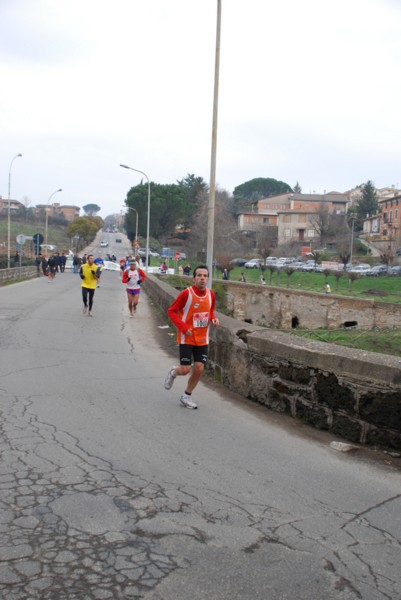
x,y
18,273
352,393
284,308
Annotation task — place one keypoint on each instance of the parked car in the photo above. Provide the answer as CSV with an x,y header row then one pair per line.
x,y
254,263
396,270
142,253
298,265
283,262
308,266
379,270
238,262
361,269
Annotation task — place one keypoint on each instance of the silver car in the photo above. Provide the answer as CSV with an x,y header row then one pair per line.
x,y
254,263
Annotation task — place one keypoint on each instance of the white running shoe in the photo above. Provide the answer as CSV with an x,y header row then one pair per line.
x,y
169,379
84,310
187,401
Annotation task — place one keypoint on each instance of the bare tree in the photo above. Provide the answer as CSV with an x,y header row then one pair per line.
x,y
289,271
319,221
228,241
266,240
351,278
337,275
272,269
344,253
387,256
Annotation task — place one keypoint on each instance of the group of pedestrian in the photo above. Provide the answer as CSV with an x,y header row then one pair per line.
x,y
52,265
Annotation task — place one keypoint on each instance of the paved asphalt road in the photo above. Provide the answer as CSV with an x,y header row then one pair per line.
x,y
110,489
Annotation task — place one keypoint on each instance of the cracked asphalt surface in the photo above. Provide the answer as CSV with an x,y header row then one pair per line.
x,y
110,489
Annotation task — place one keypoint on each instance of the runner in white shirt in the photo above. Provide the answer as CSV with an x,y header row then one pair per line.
x,y
133,277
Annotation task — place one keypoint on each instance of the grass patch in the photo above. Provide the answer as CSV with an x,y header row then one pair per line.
x,y
386,341
388,288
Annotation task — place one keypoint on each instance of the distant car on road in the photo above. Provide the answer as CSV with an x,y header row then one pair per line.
x,y
104,243
118,240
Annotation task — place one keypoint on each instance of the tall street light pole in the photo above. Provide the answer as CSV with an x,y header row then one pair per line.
x,y
212,192
47,210
148,224
9,212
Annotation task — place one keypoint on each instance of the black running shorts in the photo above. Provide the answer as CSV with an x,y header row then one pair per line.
x,y
199,354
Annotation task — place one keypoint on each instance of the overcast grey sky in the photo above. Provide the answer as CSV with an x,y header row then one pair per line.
x,y
309,91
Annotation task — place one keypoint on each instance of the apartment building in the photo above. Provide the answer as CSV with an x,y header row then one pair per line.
x,y
293,214
15,205
69,212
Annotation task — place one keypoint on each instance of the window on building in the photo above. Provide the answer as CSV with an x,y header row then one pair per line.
x,y
301,218
287,233
287,218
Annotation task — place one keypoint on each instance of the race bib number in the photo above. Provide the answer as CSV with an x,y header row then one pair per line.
x,y
201,319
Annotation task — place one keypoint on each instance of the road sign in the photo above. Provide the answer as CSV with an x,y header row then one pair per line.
x,y
177,256
21,239
38,238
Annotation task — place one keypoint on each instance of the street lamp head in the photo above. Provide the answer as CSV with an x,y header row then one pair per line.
x,y
19,155
125,166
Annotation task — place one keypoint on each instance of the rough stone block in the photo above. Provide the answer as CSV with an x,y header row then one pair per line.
x,y
347,428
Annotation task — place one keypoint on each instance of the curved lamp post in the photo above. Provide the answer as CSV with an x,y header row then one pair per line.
x,y
9,212
147,229
47,207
